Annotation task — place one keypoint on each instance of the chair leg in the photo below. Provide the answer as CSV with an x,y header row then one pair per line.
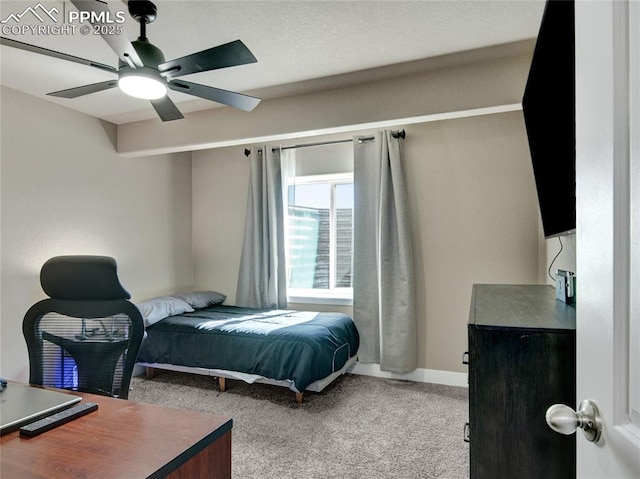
x,y
299,397
151,372
222,383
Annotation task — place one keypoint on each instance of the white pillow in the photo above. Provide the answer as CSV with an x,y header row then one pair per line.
x,y
155,309
202,299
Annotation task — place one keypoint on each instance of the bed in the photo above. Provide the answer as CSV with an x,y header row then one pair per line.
x,y
302,350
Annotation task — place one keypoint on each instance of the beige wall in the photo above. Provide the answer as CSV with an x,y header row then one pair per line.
x,y
475,220
473,209
66,191
175,220
560,254
458,87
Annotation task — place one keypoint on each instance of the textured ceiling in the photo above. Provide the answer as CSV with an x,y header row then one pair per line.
x,y
294,41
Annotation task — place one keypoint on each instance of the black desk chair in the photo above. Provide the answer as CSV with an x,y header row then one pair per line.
x,y
86,336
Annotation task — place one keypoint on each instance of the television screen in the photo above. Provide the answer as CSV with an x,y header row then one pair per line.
x,y
549,112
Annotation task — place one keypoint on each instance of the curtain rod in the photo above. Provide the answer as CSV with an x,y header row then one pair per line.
x,y
395,134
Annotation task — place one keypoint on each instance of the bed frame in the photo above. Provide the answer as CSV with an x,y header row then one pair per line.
x,y
222,375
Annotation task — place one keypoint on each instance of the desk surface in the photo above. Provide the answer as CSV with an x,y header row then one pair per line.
x,y
121,439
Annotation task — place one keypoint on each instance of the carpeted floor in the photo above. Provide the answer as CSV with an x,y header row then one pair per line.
x,y
359,427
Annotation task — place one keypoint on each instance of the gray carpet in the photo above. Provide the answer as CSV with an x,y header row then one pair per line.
x,y
358,427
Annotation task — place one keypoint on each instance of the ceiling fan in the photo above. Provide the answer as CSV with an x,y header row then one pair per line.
x,y
142,69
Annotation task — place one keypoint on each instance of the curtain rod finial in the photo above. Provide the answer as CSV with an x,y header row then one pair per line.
x,y
247,152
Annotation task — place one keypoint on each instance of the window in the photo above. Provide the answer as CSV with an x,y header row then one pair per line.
x,y
320,238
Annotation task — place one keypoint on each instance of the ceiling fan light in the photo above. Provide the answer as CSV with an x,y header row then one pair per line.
x,y
141,86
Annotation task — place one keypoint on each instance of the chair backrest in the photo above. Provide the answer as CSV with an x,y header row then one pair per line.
x,y
86,336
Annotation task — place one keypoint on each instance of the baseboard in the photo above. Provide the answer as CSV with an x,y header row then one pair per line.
x,y
433,376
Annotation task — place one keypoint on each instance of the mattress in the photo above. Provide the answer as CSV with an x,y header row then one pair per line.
x,y
297,346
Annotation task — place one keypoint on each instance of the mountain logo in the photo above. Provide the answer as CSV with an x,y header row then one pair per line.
x,y
39,11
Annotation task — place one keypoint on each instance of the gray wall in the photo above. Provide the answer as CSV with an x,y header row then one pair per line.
x,y
174,220
66,191
473,210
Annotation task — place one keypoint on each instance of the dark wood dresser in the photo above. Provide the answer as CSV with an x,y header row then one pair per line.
x,y
522,351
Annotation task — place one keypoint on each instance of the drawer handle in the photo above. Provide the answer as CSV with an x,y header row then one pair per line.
x,y
465,357
465,435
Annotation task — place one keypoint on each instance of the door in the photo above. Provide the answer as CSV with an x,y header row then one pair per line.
x,y
608,232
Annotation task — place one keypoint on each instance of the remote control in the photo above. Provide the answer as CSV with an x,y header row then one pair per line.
x,y
58,419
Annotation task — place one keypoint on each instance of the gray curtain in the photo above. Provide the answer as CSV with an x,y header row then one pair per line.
x,y
262,276
383,281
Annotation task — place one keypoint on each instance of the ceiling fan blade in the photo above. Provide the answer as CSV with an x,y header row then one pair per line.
x,y
85,90
236,100
119,43
166,109
223,56
52,53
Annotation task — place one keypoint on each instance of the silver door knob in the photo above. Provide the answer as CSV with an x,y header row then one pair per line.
x,y
565,420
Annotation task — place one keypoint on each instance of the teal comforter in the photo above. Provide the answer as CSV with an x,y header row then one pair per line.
x,y
299,346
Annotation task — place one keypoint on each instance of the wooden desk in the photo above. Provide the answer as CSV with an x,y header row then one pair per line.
x,y
123,439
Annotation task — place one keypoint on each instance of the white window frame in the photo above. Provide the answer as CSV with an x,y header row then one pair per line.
x,y
333,295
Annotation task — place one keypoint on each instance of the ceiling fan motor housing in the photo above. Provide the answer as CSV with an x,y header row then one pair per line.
x,y
150,55
143,82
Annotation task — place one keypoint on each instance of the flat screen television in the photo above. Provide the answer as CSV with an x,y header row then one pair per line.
x,y
549,112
